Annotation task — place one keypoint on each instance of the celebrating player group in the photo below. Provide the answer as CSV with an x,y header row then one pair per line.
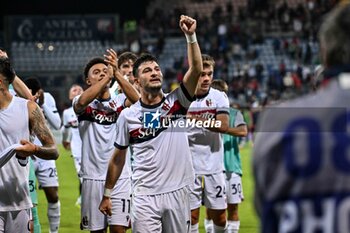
x,y
129,178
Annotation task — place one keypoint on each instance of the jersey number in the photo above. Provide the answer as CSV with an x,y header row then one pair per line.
x,y
221,191
315,141
126,204
31,186
53,172
236,188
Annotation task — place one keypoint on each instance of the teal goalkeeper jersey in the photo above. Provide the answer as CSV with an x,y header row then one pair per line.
x,y
232,160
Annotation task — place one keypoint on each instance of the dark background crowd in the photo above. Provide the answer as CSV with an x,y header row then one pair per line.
x,y
266,50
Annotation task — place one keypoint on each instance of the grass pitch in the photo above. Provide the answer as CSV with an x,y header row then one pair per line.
x,y
68,193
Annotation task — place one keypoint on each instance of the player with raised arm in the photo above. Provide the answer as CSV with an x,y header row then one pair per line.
x,y
97,110
19,118
70,134
45,170
301,153
161,164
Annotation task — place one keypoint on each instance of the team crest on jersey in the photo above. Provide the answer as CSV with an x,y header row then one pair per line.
x,y
112,104
208,102
165,106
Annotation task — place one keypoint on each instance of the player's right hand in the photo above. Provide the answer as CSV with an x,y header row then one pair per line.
x,y
106,206
187,24
27,149
66,145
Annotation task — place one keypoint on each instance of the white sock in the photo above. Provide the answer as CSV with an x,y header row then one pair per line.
x,y
233,226
194,228
54,216
219,229
208,225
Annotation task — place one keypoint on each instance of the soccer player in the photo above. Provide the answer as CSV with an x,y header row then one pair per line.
x,y
19,118
161,163
126,62
232,163
45,170
97,111
207,150
20,89
70,134
301,152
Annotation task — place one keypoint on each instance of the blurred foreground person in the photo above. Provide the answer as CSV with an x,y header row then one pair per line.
x,y
301,153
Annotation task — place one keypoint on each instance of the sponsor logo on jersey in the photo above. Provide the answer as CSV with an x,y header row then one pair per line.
x,y
99,116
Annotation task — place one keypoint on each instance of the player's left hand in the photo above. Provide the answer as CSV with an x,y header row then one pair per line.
x,y
106,206
3,53
112,60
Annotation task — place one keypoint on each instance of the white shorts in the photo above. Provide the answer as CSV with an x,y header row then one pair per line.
x,y
46,172
161,213
209,190
234,188
15,221
91,195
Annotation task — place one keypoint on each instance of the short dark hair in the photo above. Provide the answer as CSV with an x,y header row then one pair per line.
x,y
91,63
126,56
33,84
7,70
146,57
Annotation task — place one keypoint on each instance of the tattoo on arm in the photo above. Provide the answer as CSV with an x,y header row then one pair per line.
x,y
40,129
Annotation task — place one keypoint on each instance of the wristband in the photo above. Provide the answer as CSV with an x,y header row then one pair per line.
x,y
191,38
107,192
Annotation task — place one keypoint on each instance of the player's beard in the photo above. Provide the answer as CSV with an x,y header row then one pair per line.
x,y
153,89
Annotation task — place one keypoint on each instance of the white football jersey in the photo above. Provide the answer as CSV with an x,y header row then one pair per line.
x,y
70,121
14,178
50,111
160,157
207,146
97,128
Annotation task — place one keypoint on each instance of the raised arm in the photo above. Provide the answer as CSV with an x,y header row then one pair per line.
x,y
115,167
90,94
130,92
188,26
21,89
48,150
19,86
